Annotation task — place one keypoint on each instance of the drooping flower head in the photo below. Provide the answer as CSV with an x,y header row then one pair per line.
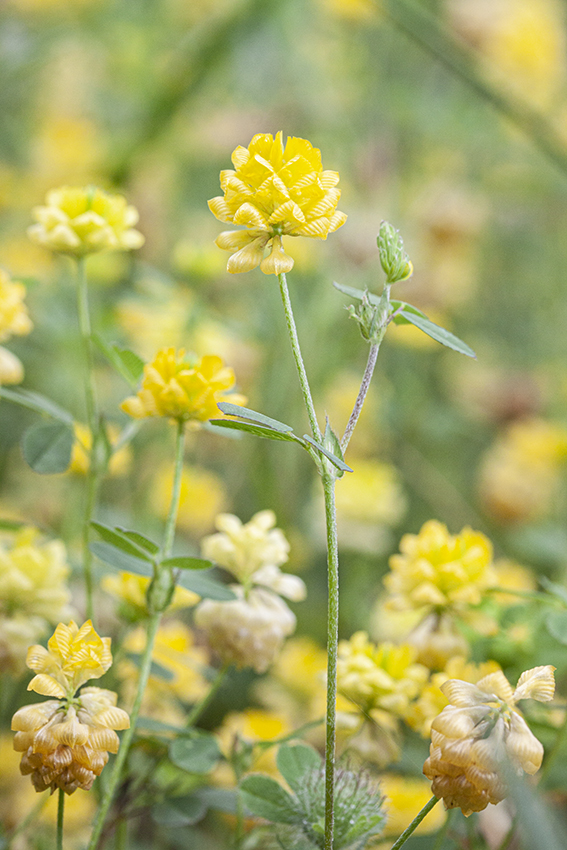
x,y
83,220
178,389
480,733
273,192
65,742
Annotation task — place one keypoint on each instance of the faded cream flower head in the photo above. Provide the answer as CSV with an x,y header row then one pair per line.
x,y
65,742
479,733
273,192
180,390
83,220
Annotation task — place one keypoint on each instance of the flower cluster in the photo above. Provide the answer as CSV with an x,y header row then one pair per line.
x,y
273,192
250,630
80,221
65,742
180,390
480,733
33,592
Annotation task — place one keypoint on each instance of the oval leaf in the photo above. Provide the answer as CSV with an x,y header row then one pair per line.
x,y
179,811
120,560
195,755
37,402
183,563
437,333
266,798
120,541
253,416
205,586
295,761
257,430
47,447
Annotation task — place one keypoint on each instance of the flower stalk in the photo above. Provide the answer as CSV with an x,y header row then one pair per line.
x,y
362,393
408,831
332,644
60,816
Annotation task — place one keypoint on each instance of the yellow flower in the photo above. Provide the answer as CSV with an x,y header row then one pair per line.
x,y
380,676
301,667
33,592
80,221
478,733
11,368
132,589
202,497
406,795
275,192
65,742
438,571
14,318
120,460
177,389
251,726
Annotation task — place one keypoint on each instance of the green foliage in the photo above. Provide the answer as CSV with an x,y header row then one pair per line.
x,y
202,583
198,754
36,402
186,563
179,811
47,447
125,362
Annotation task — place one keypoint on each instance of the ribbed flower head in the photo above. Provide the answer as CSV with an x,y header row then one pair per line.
x,y
65,742
440,571
382,676
14,318
181,390
84,220
481,732
33,592
273,192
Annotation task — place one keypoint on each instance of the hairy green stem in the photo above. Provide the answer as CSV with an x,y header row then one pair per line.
x,y
60,816
332,642
303,380
414,824
93,469
200,706
146,660
366,378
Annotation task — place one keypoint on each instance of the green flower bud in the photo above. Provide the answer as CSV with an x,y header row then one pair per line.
x,y
394,260
371,318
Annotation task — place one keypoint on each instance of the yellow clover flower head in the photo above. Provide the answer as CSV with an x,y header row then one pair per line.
x,y
479,732
83,220
183,391
437,571
273,192
14,318
65,742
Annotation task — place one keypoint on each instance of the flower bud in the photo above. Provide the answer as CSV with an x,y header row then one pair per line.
x,y
393,259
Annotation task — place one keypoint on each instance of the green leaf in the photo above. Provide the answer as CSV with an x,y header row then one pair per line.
x,y
38,403
157,670
47,447
12,524
295,762
336,461
205,586
126,362
556,624
120,541
219,799
179,811
222,432
160,728
357,293
195,755
437,333
404,307
257,430
266,798
253,416
140,540
184,563
120,560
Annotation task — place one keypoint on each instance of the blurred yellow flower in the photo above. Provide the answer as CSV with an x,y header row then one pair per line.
x,y
372,495
65,742
131,590
252,726
512,576
120,460
275,191
203,495
33,592
11,368
406,795
174,388
438,571
155,319
301,667
14,318
80,221
482,728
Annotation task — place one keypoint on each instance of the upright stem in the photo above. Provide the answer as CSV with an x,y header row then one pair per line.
x,y
414,824
366,378
146,660
93,472
332,641
292,330
200,706
60,815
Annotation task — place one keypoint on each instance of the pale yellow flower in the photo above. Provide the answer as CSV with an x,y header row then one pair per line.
x,y
202,497
368,503
14,318
439,571
132,590
479,733
80,221
301,667
33,592
274,192
180,390
120,460
251,726
11,368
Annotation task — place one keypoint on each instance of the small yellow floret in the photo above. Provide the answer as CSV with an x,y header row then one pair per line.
x,y
274,192
14,318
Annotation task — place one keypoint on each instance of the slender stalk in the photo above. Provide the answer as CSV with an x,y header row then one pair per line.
x,y
414,824
332,641
366,378
93,471
146,660
60,816
200,706
121,834
292,330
